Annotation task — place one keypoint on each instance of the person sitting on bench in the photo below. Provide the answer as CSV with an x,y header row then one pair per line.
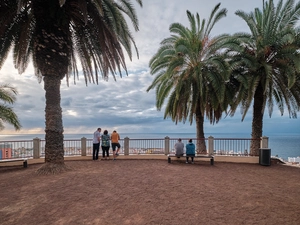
x,y
179,146
190,151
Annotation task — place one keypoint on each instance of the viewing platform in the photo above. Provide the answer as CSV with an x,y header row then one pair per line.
x,y
235,150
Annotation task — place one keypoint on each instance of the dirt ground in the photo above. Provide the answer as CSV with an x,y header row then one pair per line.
x,y
151,192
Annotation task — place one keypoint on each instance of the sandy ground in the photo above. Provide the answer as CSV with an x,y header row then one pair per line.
x,y
151,192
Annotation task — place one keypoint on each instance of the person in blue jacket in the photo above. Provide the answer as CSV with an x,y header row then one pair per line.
x,y
190,151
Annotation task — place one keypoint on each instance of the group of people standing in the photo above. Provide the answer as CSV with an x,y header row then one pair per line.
x,y
105,140
114,138
190,150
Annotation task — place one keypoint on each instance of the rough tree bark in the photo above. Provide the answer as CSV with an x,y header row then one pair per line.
x,y
257,121
201,146
54,147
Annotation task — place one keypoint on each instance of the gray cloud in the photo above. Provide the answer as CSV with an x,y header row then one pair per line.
x,y
124,104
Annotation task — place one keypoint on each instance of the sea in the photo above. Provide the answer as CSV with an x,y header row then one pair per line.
x,y
282,145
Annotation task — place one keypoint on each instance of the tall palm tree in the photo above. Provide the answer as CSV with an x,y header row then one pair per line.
x,y
267,63
55,34
7,115
192,73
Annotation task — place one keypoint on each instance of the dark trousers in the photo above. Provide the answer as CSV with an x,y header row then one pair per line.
x,y
95,151
105,149
190,155
179,155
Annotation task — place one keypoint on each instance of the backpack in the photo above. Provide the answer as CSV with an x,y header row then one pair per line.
x,y
105,140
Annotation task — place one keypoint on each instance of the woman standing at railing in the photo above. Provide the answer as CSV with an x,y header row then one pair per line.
x,y
105,138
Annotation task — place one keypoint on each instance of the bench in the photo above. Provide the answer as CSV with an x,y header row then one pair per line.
x,y
211,157
15,160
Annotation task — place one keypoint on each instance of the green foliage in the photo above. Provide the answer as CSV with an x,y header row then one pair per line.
x,y
191,71
269,57
7,115
58,33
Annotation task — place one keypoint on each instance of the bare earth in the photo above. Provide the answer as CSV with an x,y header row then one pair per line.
x,y
151,192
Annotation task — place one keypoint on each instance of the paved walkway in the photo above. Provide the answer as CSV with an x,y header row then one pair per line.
x,y
151,192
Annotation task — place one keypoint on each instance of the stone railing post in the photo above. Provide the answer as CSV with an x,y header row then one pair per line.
x,y
83,146
264,143
210,145
126,146
36,148
167,145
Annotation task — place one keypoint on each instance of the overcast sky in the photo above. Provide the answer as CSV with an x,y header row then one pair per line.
x,y
125,105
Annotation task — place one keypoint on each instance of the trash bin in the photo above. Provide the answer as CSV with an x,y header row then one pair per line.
x,y
265,156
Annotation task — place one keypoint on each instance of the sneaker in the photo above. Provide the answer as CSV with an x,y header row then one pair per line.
x,y
117,154
186,162
192,162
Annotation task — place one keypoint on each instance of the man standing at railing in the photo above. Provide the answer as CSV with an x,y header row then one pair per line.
x,y
115,137
179,146
96,143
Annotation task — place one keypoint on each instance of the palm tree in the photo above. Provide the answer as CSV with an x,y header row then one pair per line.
x,y
266,63
7,115
192,73
55,34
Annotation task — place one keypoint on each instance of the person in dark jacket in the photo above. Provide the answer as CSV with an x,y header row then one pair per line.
x,y
105,138
190,151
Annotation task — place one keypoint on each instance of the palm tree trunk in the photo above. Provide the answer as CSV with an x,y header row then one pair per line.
x,y
201,146
257,121
54,147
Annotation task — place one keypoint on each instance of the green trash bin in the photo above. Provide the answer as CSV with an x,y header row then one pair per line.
x,y
265,156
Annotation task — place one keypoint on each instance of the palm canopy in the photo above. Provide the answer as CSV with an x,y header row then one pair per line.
x,y
191,72
57,33
267,63
7,115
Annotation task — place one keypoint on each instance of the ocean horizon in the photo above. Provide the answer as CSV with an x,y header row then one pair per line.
x,y
282,145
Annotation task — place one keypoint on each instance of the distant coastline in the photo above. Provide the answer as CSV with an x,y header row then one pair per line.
x,y
282,145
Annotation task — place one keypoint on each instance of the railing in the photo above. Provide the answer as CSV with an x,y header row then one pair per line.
x,y
16,149
185,140
82,147
146,146
232,146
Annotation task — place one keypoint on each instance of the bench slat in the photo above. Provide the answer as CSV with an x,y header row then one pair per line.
x,y
15,160
196,156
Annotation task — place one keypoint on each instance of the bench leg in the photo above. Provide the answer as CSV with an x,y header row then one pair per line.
x,y
25,164
169,160
212,161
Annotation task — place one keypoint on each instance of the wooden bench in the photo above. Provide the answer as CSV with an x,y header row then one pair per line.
x,y
211,157
15,160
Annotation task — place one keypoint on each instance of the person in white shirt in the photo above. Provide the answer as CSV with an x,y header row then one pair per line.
x,y
96,143
179,146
